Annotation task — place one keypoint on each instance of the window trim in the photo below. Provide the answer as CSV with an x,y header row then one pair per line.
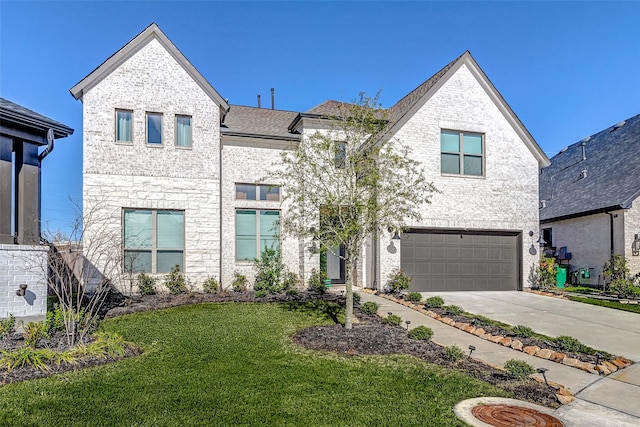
x,y
154,237
258,248
175,132
146,121
115,127
257,188
461,154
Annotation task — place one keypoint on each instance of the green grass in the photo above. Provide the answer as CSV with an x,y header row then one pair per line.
x,y
634,308
582,290
233,364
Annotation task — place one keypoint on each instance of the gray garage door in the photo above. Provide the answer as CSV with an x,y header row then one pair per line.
x,y
460,262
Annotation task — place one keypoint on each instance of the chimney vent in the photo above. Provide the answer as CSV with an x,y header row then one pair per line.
x,y
258,101
273,105
583,144
583,174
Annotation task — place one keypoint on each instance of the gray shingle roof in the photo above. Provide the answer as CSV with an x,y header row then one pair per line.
x,y
260,122
24,117
612,179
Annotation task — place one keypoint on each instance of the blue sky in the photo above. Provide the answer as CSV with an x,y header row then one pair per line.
x,y
568,69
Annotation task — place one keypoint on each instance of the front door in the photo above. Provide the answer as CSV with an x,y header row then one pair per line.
x,y
334,265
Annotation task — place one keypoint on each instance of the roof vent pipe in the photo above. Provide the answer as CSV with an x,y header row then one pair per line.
x,y
273,105
258,101
583,144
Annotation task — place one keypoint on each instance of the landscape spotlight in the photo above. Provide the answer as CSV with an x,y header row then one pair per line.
x,y
389,313
471,349
598,357
543,371
408,322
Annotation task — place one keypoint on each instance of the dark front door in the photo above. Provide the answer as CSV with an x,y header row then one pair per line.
x,y
333,264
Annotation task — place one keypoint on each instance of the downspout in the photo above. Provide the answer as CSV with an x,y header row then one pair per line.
x,y
220,196
41,157
610,231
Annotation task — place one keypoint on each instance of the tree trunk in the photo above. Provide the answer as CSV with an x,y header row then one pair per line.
x,y
348,323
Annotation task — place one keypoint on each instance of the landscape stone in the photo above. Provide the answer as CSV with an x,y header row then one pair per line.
x,y
531,349
544,353
570,361
496,338
565,399
620,363
469,329
610,366
516,345
558,357
479,332
506,341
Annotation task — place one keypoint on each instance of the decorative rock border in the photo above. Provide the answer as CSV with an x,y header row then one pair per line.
x,y
604,368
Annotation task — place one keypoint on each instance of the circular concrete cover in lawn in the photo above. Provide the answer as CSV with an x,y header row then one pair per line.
x,y
501,412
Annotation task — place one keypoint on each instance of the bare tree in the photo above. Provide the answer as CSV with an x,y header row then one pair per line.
x,y
349,180
83,269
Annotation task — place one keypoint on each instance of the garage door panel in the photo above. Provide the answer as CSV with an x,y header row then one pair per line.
x,y
447,262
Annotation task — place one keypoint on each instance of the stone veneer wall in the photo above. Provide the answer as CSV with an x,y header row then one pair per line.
x,y
21,264
138,175
506,198
631,228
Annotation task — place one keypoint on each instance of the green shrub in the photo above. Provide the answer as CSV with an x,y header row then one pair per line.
x,y
483,321
616,268
567,343
518,368
270,270
356,297
33,333
290,282
54,320
624,288
454,309
175,281
523,331
453,353
7,325
261,293
421,333
240,282
414,296
146,284
211,285
392,319
370,307
398,281
546,273
316,281
434,302
110,343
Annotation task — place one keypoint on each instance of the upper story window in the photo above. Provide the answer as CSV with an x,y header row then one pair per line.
x,y
462,153
124,126
340,155
154,128
269,193
153,240
183,131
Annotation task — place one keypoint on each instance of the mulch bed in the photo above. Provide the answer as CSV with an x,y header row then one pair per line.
x,y
368,336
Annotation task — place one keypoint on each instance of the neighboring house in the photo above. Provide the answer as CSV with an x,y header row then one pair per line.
x,y
590,200
23,260
177,170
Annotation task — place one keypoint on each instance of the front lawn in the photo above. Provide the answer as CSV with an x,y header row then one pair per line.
x,y
634,308
233,364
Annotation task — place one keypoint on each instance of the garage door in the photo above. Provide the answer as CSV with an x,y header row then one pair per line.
x,y
461,261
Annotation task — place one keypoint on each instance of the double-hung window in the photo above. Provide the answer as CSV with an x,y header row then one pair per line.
x,y
255,231
153,240
183,131
154,128
462,153
124,126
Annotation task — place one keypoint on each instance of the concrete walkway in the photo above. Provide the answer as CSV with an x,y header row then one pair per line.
x,y
610,401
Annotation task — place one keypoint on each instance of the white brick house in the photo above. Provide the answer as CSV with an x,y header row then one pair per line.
x,y
195,199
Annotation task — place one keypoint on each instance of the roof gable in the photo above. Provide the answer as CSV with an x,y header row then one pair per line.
x,y
409,105
606,178
141,40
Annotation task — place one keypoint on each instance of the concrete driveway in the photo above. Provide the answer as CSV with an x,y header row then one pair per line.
x,y
615,331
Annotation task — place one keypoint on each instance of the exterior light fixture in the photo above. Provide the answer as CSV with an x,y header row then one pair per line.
x,y
543,372
396,235
389,313
408,322
22,291
471,349
635,246
598,357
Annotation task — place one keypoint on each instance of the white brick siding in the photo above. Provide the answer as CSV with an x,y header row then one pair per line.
x,y
631,228
21,264
136,175
506,198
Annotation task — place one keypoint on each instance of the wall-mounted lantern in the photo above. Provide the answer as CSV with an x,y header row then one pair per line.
x,y
22,291
635,246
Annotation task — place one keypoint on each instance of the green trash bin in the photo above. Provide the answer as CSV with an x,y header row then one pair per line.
x,y
561,275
